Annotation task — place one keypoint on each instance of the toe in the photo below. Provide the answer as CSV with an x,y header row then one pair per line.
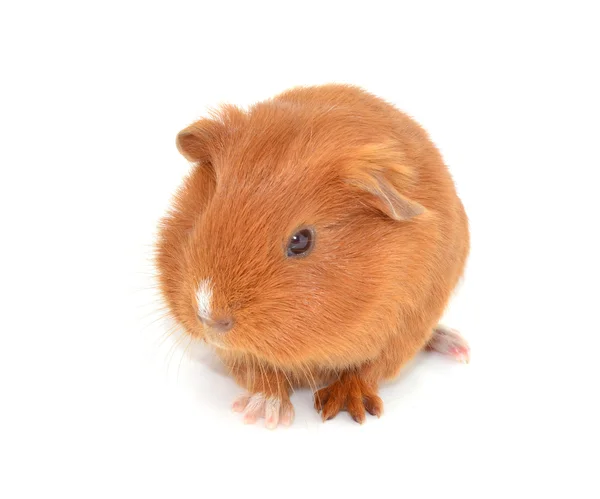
x,y
373,404
330,410
286,415
321,396
461,354
240,403
336,399
272,406
356,409
255,408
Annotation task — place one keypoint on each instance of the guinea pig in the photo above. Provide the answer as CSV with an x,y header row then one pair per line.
x,y
315,243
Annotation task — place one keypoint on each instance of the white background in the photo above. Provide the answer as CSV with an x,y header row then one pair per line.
x,y
92,96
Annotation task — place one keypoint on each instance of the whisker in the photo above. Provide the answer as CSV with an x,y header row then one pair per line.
x,y
289,382
167,334
301,366
161,317
265,376
253,375
172,350
182,356
313,379
278,384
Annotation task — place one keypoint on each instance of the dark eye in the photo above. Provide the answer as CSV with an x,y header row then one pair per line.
x,y
300,243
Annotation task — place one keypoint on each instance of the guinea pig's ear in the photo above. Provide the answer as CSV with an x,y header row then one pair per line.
x,y
197,142
380,171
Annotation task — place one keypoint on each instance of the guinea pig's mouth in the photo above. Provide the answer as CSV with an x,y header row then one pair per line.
x,y
214,343
213,339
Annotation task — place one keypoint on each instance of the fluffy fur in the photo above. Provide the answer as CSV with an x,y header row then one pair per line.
x,y
391,242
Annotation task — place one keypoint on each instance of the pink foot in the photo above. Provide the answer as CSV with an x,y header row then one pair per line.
x,y
258,405
449,342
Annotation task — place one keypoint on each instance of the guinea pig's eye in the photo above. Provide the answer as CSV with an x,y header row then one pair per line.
x,y
301,243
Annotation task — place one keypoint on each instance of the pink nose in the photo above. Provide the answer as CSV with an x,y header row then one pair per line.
x,y
219,325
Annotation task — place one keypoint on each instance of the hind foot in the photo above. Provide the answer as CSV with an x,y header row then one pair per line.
x,y
449,342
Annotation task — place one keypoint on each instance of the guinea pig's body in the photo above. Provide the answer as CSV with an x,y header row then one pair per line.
x,y
316,243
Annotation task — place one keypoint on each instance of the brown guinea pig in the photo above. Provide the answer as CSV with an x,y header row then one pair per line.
x,y
316,242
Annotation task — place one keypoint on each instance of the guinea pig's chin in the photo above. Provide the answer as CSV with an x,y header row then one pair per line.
x,y
214,341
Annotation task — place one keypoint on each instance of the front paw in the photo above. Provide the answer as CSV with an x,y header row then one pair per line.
x,y
274,410
352,394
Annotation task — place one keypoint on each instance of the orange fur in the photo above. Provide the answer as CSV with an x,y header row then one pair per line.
x,y
391,240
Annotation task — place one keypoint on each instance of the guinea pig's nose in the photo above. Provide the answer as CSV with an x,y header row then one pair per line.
x,y
219,324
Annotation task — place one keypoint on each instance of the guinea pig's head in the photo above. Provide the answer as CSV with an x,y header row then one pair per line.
x,y
279,241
